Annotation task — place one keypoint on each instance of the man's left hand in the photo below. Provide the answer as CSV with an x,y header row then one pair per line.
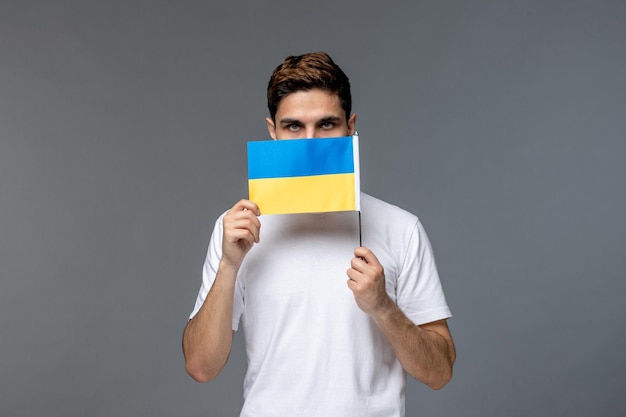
x,y
367,281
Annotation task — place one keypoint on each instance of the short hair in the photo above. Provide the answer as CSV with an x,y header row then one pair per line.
x,y
306,72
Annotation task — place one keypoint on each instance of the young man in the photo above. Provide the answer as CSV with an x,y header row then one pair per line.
x,y
320,341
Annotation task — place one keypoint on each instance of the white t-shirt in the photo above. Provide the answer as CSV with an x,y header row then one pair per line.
x,y
311,350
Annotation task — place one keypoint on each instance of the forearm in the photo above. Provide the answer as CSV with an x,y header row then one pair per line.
x,y
426,353
208,336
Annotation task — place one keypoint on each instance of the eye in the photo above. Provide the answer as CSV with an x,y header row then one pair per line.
x,y
327,125
293,127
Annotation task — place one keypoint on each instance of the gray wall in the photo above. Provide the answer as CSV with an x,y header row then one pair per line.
x,y
122,137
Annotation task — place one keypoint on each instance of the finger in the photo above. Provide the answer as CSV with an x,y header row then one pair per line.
x,y
237,235
366,255
244,204
352,285
238,213
242,217
358,265
240,210
353,274
246,224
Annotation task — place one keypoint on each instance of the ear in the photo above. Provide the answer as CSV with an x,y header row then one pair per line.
x,y
352,124
271,127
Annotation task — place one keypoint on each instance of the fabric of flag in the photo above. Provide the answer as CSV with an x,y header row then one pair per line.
x,y
304,175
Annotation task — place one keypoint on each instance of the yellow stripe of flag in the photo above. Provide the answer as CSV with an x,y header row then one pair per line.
x,y
319,193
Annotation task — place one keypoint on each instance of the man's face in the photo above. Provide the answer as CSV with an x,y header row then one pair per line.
x,y
310,114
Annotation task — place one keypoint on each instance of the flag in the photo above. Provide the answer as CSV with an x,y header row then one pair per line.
x,y
304,175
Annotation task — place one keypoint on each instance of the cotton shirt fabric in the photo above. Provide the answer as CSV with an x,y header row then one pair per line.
x,y
311,350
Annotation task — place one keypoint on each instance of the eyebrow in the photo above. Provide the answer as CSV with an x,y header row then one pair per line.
x,y
329,119
288,121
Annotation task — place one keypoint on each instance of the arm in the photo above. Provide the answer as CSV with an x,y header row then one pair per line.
x,y
426,352
208,336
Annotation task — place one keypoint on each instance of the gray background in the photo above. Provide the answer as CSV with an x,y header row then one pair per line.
x,y
122,137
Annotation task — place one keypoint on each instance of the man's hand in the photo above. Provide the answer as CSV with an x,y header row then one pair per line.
x,y
367,282
208,336
426,352
241,232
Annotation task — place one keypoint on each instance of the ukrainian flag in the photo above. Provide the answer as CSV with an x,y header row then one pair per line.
x,y
304,175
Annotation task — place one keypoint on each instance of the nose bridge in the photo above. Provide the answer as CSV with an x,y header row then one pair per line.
x,y
310,131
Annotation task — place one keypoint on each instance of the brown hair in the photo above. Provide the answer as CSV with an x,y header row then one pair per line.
x,y
306,72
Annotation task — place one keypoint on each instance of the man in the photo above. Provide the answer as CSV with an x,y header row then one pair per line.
x,y
315,345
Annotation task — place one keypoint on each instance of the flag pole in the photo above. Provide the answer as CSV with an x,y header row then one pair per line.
x,y
360,238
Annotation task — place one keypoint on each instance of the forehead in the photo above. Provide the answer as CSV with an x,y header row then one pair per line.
x,y
309,104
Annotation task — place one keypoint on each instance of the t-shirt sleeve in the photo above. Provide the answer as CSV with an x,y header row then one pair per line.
x,y
419,292
209,272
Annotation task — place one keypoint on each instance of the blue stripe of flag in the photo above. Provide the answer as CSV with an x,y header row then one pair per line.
x,y
300,157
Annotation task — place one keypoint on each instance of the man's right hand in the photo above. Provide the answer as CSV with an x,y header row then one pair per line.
x,y
208,336
241,232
